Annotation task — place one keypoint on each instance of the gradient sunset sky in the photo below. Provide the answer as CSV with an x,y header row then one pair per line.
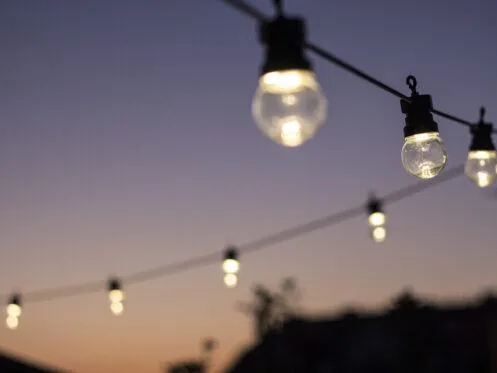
x,y
127,142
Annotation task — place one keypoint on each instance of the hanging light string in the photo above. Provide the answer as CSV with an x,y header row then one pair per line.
x,y
257,15
249,247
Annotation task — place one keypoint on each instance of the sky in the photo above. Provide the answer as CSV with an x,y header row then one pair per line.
x,y
126,141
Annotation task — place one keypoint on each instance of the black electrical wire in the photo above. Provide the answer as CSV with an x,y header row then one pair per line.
x,y
257,15
251,246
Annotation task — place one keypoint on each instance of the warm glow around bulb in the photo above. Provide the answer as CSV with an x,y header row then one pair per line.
x,y
116,295
280,82
14,310
379,234
12,322
117,308
377,219
230,280
231,266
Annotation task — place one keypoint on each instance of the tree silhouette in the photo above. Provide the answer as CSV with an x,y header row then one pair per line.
x,y
270,309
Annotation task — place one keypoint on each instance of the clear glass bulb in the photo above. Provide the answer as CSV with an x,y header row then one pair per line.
x,y
289,106
230,280
423,155
377,219
379,234
12,322
481,167
117,308
231,266
116,296
14,310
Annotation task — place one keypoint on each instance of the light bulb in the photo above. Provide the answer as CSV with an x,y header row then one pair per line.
x,y
230,280
231,266
14,310
481,167
289,106
377,219
423,155
116,295
379,234
12,322
117,308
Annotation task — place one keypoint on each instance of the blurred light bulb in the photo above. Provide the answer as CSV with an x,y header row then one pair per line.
x,y
423,155
377,219
481,167
231,266
116,295
230,280
12,322
14,310
379,234
289,106
117,308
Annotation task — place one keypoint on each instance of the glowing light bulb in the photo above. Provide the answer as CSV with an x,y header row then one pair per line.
x,y
377,219
481,167
289,106
423,152
117,308
12,322
424,155
230,261
230,280
379,234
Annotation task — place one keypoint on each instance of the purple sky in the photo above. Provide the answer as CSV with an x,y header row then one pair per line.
x,y
127,141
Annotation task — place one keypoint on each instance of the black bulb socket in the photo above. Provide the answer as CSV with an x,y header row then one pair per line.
x,y
231,253
15,299
284,39
114,284
374,206
482,138
419,118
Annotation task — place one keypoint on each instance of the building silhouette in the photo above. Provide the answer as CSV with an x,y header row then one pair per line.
x,y
411,336
11,364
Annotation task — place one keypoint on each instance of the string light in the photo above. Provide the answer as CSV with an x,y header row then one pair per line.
x,y
13,310
377,220
481,166
116,296
288,106
423,153
231,267
422,145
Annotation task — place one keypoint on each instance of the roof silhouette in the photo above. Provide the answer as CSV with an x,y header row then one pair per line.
x,y
12,364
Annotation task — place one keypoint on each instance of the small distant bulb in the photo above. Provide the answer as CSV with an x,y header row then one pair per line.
x,y
230,280
230,262
117,308
379,234
377,219
424,155
12,322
